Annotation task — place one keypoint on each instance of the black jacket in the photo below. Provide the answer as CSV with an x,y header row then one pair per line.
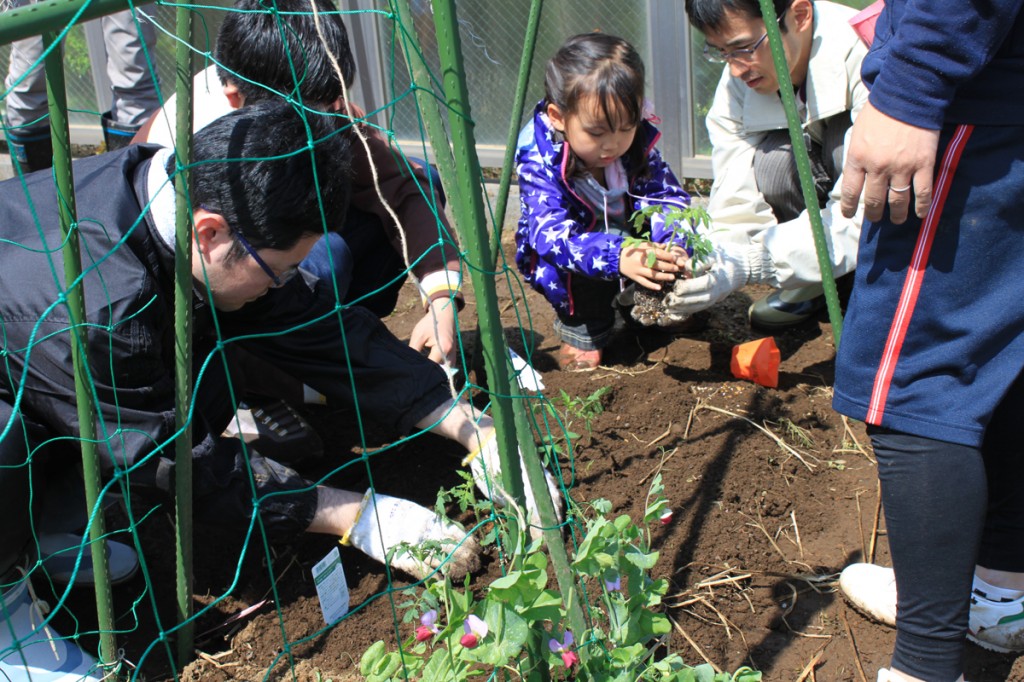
x,y
128,284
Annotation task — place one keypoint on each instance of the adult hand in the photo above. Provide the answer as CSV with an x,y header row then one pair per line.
x,y
436,331
385,524
650,264
728,270
485,465
886,160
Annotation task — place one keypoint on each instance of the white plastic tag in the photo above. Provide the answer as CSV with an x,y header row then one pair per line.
x,y
331,587
528,378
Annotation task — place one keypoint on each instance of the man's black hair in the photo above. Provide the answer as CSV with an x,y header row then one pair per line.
x,y
258,37
708,15
254,168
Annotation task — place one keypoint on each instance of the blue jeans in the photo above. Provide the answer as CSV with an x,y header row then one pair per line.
x,y
592,322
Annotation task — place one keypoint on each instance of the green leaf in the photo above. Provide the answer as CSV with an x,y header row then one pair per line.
x,y
377,665
640,559
547,606
704,673
371,657
439,667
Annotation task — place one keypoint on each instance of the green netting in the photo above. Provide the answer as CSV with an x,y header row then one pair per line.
x,y
530,610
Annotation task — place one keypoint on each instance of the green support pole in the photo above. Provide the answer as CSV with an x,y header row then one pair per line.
x,y
473,231
525,65
56,94
183,334
52,15
803,166
469,207
427,103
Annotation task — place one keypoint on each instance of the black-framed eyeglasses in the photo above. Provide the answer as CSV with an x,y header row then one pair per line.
x,y
279,280
744,54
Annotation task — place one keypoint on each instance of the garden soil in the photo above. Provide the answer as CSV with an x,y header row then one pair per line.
x,y
773,494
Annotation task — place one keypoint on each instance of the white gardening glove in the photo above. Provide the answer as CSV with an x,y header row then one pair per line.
x,y
385,522
730,268
486,469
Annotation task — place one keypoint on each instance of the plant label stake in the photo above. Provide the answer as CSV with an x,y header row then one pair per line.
x,y
331,586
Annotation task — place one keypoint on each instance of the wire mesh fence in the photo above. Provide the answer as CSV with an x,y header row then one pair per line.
x,y
258,323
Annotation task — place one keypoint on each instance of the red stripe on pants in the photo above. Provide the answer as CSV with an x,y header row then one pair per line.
x,y
915,276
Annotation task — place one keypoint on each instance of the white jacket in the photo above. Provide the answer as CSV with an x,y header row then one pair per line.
x,y
737,122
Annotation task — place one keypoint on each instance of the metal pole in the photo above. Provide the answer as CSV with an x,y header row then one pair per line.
x,y
183,334
68,211
525,65
496,359
803,167
429,107
52,15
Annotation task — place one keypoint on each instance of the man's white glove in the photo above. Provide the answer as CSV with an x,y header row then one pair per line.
x,y
730,268
486,468
421,539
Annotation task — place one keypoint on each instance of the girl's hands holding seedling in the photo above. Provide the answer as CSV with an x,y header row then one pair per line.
x,y
650,264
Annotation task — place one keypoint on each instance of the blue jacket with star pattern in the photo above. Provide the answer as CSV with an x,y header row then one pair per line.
x,y
558,236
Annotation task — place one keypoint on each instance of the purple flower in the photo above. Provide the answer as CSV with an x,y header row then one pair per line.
x,y
614,583
564,649
428,626
476,630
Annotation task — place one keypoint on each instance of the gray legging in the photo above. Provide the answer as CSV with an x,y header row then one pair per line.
x,y
775,169
134,95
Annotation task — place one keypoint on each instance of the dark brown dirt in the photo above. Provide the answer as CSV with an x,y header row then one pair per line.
x,y
759,534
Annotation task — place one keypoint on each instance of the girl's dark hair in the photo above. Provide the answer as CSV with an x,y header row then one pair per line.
x,y
608,68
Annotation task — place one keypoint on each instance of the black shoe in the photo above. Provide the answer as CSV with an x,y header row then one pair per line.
x,y
116,135
274,429
32,147
786,308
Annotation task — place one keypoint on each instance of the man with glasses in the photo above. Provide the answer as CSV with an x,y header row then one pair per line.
x,y
261,186
760,223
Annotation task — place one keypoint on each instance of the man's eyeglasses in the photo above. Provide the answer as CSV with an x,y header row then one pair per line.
x,y
279,280
744,54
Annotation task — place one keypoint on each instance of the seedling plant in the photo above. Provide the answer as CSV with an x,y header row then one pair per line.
x,y
517,627
690,225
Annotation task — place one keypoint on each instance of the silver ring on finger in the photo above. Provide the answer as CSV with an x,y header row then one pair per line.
x,y
899,190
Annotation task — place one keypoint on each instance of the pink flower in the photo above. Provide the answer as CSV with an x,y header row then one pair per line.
x,y
666,517
476,630
564,649
428,626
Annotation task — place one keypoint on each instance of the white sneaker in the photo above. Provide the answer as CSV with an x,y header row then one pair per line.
x,y
996,625
871,590
31,651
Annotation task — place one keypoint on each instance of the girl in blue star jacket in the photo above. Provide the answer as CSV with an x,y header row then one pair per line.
x,y
586,163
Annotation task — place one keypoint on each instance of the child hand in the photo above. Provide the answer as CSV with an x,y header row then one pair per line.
x,y
650,264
